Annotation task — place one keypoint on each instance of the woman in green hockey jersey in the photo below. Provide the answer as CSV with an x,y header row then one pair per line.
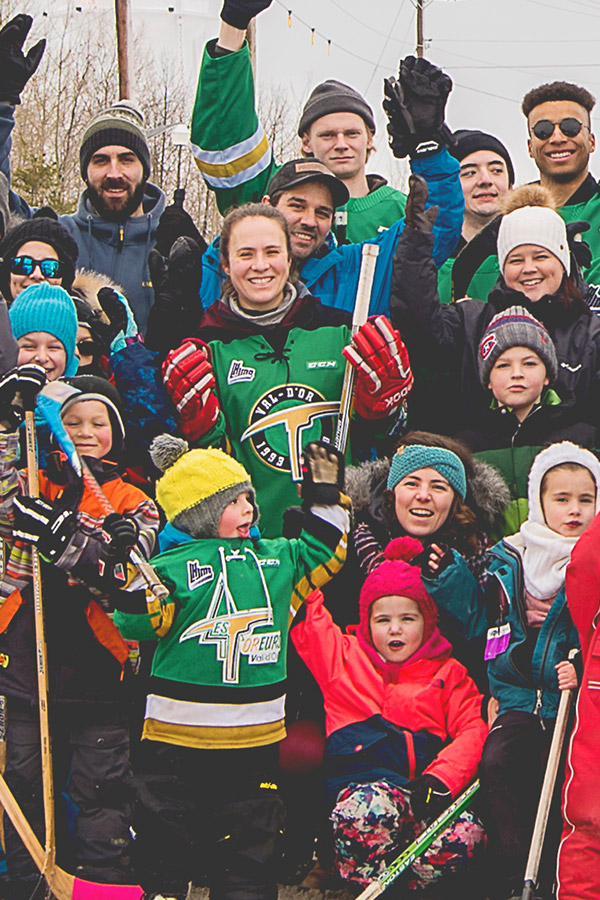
x,y
263,374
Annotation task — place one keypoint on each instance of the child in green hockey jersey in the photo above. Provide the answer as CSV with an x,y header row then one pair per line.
x,y
220,666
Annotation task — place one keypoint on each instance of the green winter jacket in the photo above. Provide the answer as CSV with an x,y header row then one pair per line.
x,y
218,674
233,154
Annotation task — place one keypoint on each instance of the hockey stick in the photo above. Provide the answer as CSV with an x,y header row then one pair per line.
x,y
41,656
543,810
359,317
49,401
420,844
63,885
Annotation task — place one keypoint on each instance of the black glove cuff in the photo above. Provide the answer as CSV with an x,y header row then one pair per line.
x,y
323,494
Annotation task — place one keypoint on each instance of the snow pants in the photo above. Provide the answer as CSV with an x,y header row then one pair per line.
x,y
373,823
219,809
93,792
511,771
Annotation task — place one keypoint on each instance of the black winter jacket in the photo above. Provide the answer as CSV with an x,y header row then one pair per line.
x,y
447,338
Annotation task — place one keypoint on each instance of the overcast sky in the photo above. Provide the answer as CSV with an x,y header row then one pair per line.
x,y
494,50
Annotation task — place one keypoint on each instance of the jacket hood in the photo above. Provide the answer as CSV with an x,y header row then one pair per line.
x,y
86,285
487,492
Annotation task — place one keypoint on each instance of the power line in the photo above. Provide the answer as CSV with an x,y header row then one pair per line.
x,y
384,47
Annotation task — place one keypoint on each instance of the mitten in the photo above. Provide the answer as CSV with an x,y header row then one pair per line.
x,y
322,474
415,214
15,68
120,535
189,379
176,222
578,247
428,797
44,525
383,374
177,308
238,13
18,391
123,328
415,105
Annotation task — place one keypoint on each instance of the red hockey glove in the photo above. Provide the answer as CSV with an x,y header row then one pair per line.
x,y
190,381
383,374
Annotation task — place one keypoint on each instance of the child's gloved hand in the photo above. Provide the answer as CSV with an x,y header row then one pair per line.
x,y
428,797
43,524
322,474
383,374
435,559
18,390
189,379
121,531
123,327
567,676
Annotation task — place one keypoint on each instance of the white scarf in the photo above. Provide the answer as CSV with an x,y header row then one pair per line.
x,y
545,556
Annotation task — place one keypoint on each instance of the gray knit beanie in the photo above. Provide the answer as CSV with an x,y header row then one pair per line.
x,y
334,96
515,327
121,124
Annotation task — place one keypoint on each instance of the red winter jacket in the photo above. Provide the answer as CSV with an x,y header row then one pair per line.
x,y
579,852
433,695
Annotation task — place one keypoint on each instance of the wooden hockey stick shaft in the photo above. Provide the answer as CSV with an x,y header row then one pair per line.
x,y
359,317
41,660
545,802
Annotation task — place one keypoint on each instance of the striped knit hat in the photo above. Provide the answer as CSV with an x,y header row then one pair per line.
x,y
121,124
515,327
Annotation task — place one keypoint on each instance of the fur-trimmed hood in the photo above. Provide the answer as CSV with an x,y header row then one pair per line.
x,y
86,285
487,492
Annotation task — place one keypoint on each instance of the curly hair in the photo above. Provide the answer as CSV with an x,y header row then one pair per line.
x,y
557,90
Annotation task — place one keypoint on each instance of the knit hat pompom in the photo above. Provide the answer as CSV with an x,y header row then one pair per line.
x,y
197,485
404,548
530,218
166,449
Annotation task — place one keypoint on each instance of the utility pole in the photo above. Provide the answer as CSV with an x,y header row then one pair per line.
x,y
123,20
420,4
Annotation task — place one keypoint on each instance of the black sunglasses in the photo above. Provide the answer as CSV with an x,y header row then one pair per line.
x,y
570,127
87,347
26,265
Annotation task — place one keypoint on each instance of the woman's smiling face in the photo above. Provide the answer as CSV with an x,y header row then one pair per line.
x,y
423,501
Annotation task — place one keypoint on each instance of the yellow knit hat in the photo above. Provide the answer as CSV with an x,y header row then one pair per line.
x,y
197,485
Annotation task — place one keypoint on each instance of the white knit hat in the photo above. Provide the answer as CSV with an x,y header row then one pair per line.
x,y
556,455
538,225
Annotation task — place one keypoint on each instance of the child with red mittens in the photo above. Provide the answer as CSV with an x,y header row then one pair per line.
x,y
404,731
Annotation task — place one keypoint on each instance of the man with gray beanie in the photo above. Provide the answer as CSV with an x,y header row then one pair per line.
x,y
119,209
337,126
486,176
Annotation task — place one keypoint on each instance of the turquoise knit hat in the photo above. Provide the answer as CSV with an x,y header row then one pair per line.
x,y
47,307
417,456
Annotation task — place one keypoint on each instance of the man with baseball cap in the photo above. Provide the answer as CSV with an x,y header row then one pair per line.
x,y
337,126
486,176
119,209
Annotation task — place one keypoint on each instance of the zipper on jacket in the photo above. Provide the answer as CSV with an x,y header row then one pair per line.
x,y
537,710
121,238
540,691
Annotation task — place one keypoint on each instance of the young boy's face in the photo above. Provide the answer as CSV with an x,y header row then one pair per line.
x,y
396,627
236,518
45,350
569,501
88,425
517,378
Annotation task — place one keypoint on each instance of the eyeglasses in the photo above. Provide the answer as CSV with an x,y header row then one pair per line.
x,y
26,265
86,348
570,127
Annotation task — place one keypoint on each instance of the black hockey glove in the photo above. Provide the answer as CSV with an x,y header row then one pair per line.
x,y
415,213
428,797
322,474
177,309
15,68
121,534
238,13
174,223
18,390
415,105
44,525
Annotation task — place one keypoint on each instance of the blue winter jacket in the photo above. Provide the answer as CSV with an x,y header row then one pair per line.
x,y
518,679
119,250
333,277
